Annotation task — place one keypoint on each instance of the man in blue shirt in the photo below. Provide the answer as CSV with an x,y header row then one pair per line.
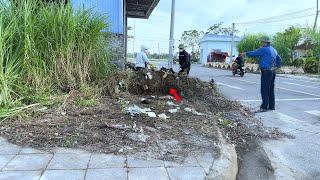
x,y
269,61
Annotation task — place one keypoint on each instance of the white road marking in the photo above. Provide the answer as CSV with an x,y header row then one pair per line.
x,y
296,91
316,113
288,119
298,99
301,85
233,87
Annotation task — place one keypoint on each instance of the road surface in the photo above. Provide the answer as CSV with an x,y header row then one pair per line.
x,y
297,113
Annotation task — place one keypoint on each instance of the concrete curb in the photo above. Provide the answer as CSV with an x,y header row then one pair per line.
x,y
226,167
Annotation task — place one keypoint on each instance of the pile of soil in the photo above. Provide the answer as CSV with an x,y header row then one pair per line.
x,y
109,128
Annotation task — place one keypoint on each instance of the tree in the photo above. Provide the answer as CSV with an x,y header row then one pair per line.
x,y
218,29
192,38
286,43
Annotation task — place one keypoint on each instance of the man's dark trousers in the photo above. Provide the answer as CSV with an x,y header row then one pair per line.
x,y
267,89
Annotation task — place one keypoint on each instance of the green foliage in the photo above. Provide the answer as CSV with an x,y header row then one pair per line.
x,y
311,65
219,29
195,56
191,38
285,43
49,46
250,42
299,62
88,96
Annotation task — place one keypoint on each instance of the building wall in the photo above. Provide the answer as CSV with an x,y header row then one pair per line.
x,y
113,9
208,46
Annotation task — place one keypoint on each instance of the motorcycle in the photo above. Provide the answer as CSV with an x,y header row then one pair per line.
x,y
236,70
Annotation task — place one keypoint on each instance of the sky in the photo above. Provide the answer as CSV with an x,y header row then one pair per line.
x,y
201,14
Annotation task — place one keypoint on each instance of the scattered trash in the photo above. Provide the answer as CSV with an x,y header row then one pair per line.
x,y
149,75
173,111
125,149
118,126
163,116
170,103
166,97
138,137
152,114
134,110
193,111
188,109
146,101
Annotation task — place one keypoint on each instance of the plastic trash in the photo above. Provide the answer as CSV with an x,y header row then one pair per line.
x,y
172,111
163,116
152,114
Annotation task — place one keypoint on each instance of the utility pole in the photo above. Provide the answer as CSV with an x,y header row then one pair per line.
x,y
158,51
232,42
134,35
316,19
171,41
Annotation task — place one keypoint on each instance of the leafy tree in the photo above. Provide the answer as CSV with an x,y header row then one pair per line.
x,y
286,43
218,29
191,38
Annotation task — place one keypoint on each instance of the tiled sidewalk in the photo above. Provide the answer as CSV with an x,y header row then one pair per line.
x,y
21,163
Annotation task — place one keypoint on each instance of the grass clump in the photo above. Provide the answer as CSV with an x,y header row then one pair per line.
x,y
47,48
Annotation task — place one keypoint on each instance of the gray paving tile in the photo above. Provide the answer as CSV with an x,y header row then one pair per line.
x,y
8,148
29,162
188,162
63,175
102,161
158,173
29,150
20,175
107,174
186,173
205,160
69,161
137,162
4,159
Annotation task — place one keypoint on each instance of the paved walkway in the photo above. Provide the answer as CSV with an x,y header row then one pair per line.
x,y
30,164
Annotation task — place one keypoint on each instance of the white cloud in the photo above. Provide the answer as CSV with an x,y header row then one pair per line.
x,y
200,14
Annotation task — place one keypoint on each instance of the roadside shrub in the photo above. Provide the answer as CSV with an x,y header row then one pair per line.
x,y
311,65
49,46
297,62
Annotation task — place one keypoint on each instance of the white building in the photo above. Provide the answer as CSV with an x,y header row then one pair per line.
x,y
220,43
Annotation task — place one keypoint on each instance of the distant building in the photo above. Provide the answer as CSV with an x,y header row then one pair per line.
x,y
217,46
118,11
302,49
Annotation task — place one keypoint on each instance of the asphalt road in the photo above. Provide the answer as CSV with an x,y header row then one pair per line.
x,y
297,113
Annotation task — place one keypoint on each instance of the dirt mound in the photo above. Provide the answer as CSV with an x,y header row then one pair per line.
x,y
158,83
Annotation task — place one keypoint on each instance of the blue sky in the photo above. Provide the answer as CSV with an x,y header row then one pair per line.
x,y
200,14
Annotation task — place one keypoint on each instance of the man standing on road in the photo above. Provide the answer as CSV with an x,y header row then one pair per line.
x,y
269,61
184,60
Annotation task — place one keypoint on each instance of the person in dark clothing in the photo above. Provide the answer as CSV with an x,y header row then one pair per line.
x,y
269,62
239,61
184,60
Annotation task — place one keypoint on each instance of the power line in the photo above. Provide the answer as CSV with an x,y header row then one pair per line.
x,y
284,17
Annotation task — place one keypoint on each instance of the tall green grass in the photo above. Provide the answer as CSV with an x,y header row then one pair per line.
x,y
49,46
